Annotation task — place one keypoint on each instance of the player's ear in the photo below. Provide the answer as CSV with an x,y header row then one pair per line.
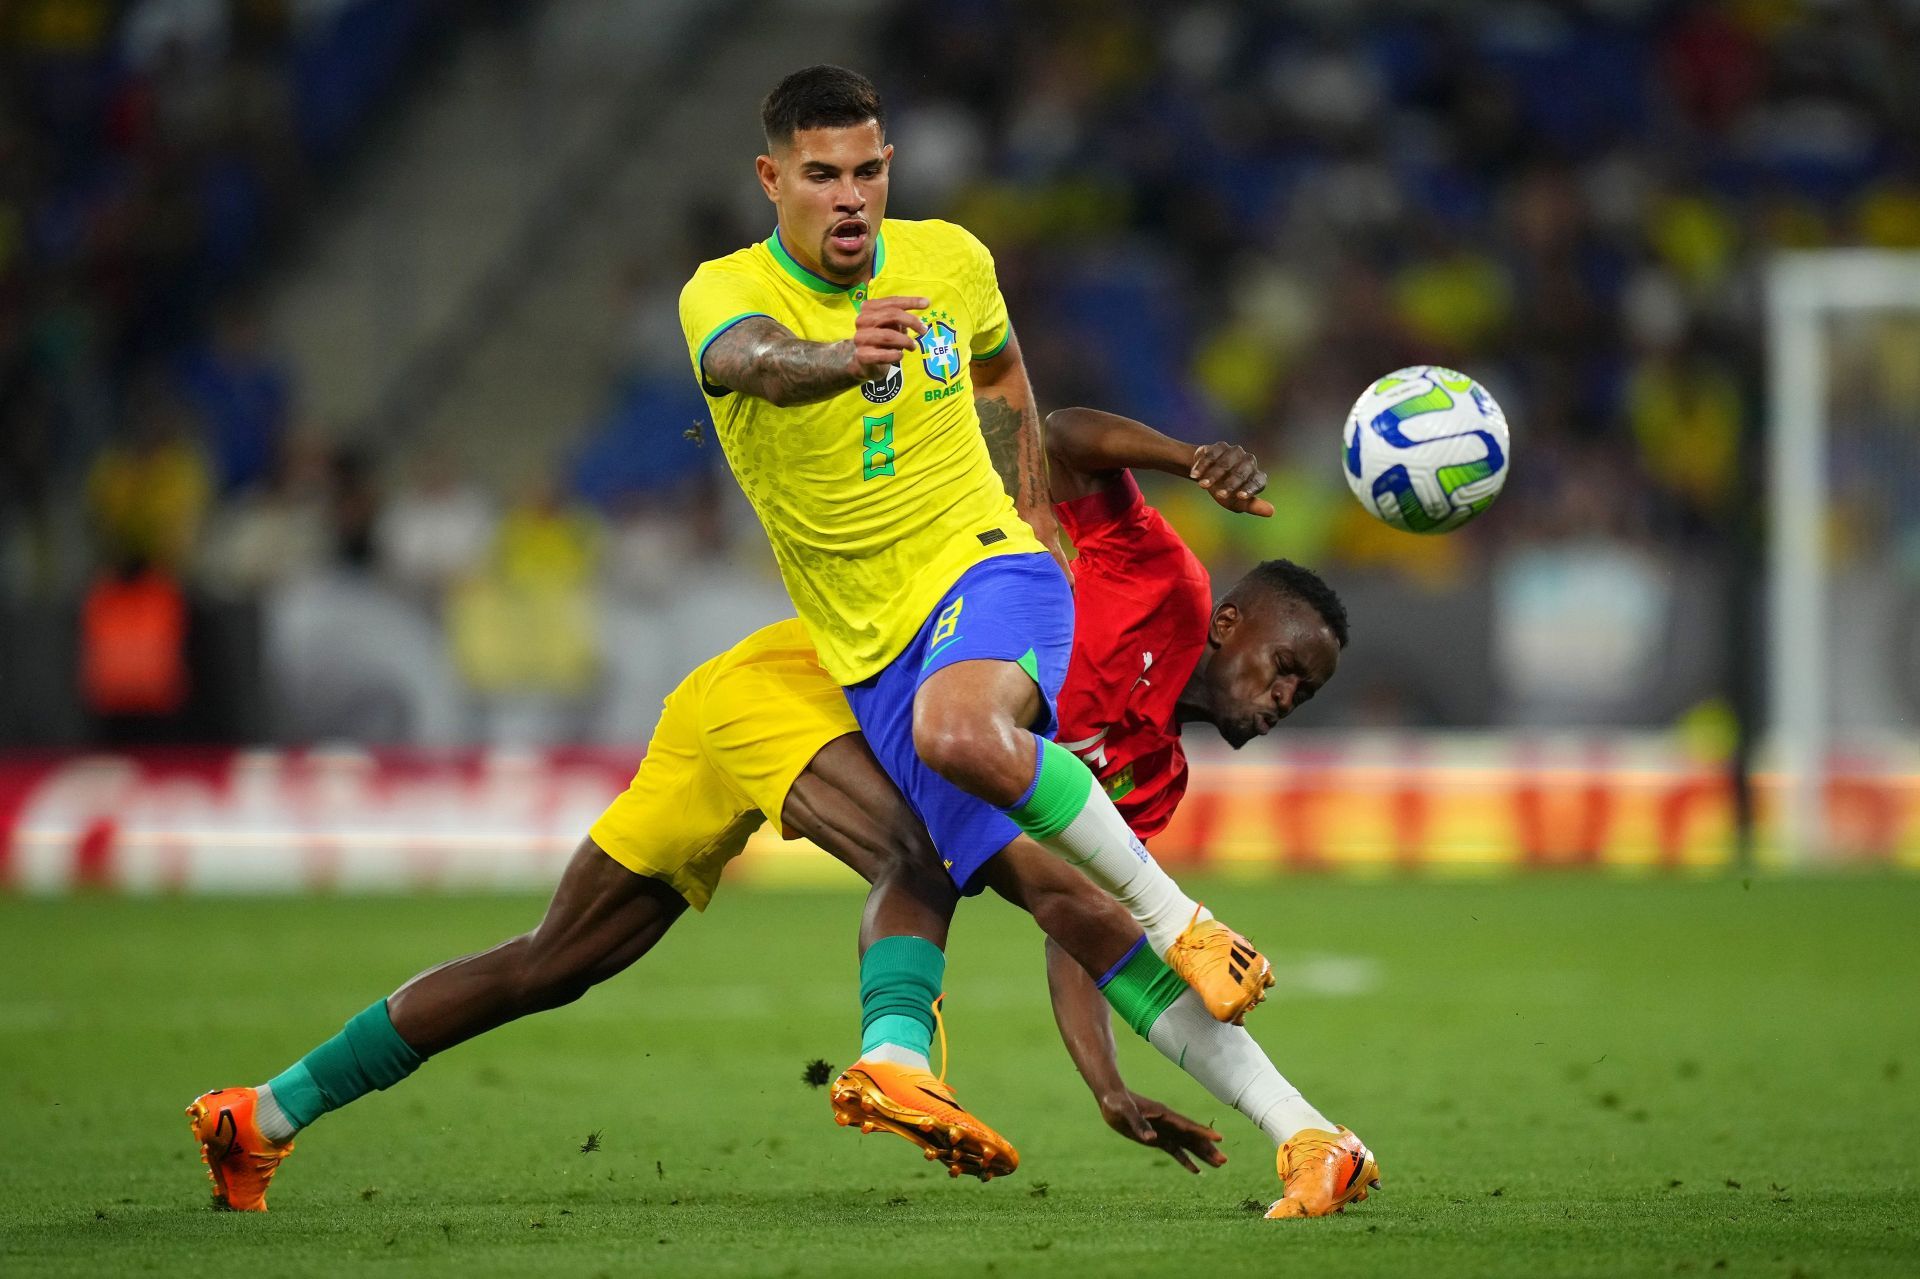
x,y
1225,618
767,169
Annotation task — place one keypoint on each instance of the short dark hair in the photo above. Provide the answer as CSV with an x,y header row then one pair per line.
x,y
1286,580
820,97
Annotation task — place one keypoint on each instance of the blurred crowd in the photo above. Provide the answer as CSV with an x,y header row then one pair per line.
x,y
1226,218
1232,216
152,156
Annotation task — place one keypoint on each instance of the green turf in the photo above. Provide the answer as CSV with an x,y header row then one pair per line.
x,y
1561,1077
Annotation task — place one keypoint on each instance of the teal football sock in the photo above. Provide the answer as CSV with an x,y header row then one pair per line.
x,y
900,977
366,1055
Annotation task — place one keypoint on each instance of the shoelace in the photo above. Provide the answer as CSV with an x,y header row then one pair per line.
x,y
1234,949
940,1025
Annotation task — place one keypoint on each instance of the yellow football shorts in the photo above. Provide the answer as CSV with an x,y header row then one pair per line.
x,y
731,740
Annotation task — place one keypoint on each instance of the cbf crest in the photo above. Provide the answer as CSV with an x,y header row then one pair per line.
x,y
940,347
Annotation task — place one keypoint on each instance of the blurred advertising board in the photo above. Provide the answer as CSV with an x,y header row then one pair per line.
x,y
375,820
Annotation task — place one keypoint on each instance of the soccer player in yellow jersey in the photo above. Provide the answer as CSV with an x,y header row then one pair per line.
x,y
762,731
858,370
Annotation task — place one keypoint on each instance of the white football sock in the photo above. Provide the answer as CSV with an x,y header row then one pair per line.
x,y
1098,841
1230,1065
269,1118
897,1055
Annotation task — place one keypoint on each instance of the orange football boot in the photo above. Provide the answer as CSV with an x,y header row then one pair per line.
x,y
240,1161
1322,1172
1224,969
922,1108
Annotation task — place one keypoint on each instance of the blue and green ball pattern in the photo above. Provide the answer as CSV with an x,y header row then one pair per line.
x,y
1426,449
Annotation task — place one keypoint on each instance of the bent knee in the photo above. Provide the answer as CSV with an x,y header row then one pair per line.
x,y
962,745
942,743
912,866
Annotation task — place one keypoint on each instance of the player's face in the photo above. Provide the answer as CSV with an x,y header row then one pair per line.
x,y
1271,658
830,187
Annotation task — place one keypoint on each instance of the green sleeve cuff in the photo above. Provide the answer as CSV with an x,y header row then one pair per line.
x,y
700,356
998,347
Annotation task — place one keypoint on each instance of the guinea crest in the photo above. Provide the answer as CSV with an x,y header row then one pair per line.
x,y
940,348
882,389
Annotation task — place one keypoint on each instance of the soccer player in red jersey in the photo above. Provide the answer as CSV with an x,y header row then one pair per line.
x,y
1152,652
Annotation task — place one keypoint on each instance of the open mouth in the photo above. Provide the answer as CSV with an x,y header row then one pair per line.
x,y
849,236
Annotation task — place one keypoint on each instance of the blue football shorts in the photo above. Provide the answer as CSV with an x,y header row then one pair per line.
x,y
1012,608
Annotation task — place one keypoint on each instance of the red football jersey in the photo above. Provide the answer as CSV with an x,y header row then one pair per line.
x,y
1142,604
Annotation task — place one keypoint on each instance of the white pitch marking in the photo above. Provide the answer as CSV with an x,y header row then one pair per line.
x,y
1326,976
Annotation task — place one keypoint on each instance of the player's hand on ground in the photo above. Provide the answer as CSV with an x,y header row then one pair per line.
x,y
884,331
1232,477
1153,1123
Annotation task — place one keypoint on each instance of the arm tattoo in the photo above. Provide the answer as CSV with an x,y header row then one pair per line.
x,y
1013,440
761,358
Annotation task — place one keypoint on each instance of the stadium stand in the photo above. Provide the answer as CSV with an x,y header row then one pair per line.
x,y
252,338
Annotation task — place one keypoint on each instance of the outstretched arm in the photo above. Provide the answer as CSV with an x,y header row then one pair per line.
x,y
1010,421
1086,1027
761,357
1089,448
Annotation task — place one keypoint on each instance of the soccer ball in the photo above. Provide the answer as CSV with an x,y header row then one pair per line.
x,y
1426,449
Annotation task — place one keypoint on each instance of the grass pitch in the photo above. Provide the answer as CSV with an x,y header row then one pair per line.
x,y
1560,1076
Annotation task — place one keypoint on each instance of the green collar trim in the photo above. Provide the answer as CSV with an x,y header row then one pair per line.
x,y
818,283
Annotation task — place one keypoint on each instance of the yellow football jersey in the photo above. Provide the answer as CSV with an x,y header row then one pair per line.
x,y
878,499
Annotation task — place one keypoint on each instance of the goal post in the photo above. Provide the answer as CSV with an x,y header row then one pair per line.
x,y
1808,294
